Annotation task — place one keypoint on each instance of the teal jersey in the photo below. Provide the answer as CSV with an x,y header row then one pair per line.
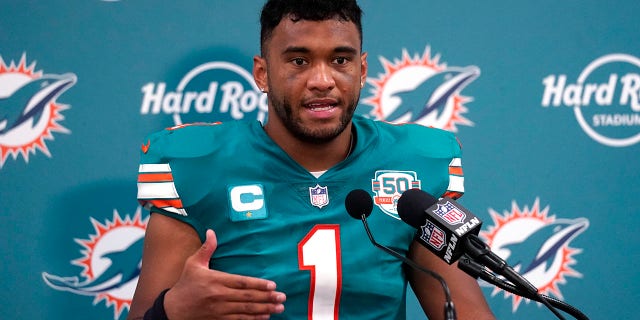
x,y
275,220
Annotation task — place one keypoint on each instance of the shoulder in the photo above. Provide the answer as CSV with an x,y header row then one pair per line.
x,y
426,140
190,140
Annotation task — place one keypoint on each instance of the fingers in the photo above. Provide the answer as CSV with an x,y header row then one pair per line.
x,y
206,292
239,288
254,296
229,303
245,295
243,282
203,255
243,308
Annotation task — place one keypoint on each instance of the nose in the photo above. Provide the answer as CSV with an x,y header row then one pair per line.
x,y
321,78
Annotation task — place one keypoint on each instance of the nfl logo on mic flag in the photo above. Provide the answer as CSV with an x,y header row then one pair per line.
x,y
450,213
448,216
433,235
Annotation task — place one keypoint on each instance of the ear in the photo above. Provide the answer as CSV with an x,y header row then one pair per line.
x,y
260,73
363,69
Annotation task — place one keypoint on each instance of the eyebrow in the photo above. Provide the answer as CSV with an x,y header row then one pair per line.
x,y
341,49
296,50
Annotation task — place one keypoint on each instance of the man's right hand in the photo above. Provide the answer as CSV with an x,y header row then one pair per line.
x,y
203,293
174,257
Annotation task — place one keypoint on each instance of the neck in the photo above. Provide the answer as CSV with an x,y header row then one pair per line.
x,y
314,156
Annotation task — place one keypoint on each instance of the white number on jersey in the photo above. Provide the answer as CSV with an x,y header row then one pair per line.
x,y
319,252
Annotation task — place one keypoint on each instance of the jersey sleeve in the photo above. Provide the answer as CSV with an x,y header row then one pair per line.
x,y
455,189
451,144
156,185
165,182
441,144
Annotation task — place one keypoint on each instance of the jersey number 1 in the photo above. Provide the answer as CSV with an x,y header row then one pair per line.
x,y
319,252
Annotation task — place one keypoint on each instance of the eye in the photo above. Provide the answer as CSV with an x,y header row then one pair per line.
x,y
298,61
341,60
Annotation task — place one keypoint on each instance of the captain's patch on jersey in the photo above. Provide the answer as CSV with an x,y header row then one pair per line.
x,y
247,202
388,185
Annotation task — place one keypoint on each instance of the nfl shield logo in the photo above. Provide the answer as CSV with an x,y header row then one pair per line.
x,y
433,235
319,196
450,213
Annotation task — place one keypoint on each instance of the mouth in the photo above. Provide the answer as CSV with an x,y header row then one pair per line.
x,y
321,106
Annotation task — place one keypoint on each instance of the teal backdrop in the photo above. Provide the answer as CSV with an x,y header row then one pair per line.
x,y
543,95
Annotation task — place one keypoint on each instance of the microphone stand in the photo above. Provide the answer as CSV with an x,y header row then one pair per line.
x,y
477,270
449,308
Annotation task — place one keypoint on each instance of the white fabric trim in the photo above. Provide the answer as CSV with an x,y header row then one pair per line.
x,y
157,190
154,167
456,183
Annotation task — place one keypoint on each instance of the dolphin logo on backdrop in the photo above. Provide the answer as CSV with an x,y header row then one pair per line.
x,y
111,263
536,245
421,90
30,100
550,239
29,112
124,268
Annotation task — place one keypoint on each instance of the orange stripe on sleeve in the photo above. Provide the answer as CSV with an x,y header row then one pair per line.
x,y
453,194
455,170
163,203
155,177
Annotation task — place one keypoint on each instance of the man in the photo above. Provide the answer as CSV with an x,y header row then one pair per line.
x,y
274,194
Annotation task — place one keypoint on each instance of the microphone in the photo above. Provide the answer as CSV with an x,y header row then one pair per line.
x,y
450,231
444,226
358,203
359,206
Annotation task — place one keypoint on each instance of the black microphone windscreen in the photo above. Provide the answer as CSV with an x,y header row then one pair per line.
x,y
412,205
358,203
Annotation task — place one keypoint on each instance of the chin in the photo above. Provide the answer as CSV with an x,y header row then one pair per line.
x,y
320,134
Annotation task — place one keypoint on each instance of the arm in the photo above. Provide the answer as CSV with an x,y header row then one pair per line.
x,y
174,258
465,292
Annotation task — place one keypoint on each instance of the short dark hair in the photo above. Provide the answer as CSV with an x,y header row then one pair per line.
x,y
314,10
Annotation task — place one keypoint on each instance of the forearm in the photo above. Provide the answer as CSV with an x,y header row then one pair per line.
x,y
466,294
